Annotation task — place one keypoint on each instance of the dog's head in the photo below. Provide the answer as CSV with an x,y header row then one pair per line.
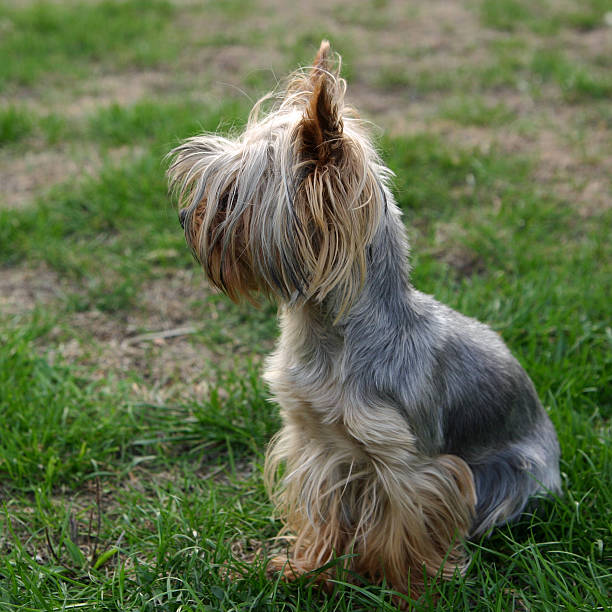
x,y
290,206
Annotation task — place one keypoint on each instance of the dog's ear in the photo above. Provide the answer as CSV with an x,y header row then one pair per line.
x,y
321,61
321,129
336,204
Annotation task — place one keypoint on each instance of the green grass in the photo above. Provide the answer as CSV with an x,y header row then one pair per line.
x,y
23,127
179,524
545,17
113,126
576,82
15,125
473,111
111,502
56,39
161,124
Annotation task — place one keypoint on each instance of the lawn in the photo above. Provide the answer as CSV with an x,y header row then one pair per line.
x,y
134,420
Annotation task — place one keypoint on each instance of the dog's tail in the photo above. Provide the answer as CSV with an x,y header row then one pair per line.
x,y
510,480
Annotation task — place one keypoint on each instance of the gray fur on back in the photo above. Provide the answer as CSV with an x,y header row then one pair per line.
x,y
451,377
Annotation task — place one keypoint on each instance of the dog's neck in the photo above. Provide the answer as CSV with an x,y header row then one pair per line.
x,y
387,285
384,302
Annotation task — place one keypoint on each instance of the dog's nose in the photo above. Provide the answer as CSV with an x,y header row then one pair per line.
x,y
182,215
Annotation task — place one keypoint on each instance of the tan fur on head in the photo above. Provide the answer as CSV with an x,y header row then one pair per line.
x,y
290,207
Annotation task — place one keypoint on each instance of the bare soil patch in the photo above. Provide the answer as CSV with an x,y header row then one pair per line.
x,y
594,45
157,342
123,89
102,341
23,289
29,176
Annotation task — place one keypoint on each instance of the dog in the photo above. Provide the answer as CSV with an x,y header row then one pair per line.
x,y
407,427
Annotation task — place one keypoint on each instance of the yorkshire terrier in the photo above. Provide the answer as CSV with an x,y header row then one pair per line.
x,y
407,427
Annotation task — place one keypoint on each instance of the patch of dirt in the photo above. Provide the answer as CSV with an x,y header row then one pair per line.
x,y
449,249
158,342
106,341
577,172
115,346
441,28
24,178
594,45
22,289
123,89
390,111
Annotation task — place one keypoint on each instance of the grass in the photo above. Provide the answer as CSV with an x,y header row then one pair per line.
x,y
66,39
543,18
14,125
574,80
417,83
123,489
474,111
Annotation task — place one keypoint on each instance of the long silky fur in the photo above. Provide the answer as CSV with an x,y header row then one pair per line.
x,y
407,427
267,204
349,479
393,512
